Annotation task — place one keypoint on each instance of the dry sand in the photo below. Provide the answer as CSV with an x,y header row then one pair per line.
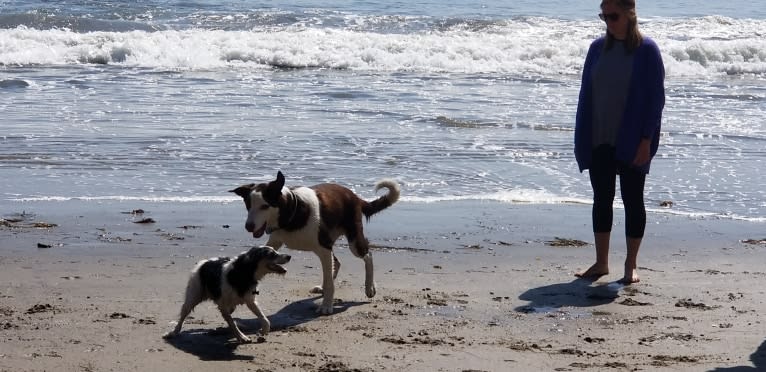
x,y
462,286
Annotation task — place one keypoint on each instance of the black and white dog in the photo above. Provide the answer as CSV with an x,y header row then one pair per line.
x,y
312,219
229,283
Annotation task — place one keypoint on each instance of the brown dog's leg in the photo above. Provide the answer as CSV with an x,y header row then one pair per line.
x,y
360,246
335,267
328,285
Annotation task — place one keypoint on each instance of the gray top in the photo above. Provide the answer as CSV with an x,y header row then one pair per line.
x,y
611,81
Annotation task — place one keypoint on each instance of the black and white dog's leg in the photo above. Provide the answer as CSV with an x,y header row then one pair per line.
x,y
193,298
226,313
328,285
265,324
185,310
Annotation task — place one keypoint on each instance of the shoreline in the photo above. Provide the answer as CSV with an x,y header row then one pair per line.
x,y
461,286
434,226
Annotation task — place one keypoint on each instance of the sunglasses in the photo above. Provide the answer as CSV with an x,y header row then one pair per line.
x,y
611,17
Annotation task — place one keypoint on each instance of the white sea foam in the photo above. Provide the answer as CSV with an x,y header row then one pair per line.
x,y
520,196
536,197
123,198
511,196
463,108
530,46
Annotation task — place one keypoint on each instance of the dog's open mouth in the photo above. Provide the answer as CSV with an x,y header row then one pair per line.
x,y
275,268
258,233
275,265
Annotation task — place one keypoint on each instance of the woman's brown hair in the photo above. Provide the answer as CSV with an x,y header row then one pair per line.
x,y
633,37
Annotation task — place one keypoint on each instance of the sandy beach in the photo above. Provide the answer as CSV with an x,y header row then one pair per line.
x,y
111,108
462,286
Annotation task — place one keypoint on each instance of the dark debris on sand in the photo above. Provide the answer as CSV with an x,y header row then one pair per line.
x,y
40,308
135,211
24,221
145,220
563,242
632,302
687,303
335,366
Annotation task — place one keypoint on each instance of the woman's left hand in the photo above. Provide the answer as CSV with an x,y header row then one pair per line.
x,y
642,154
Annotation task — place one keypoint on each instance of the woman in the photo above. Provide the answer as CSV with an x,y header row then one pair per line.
x,y
617,128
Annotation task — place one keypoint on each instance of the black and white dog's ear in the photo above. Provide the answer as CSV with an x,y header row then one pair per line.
x,y
244,190
274,190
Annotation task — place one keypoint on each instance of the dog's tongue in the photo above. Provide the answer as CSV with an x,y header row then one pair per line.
x,y
258,233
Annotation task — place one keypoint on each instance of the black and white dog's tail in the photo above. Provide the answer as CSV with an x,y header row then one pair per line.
x,y
384,201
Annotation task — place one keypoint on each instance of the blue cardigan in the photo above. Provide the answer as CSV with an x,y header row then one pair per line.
x,y
643,107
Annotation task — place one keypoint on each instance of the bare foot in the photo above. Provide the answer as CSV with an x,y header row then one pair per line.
x,y
631,276
594,272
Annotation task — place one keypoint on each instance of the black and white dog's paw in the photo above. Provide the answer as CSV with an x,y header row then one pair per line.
x,y
265,328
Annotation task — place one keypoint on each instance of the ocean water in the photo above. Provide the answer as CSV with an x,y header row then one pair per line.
x,y
180,101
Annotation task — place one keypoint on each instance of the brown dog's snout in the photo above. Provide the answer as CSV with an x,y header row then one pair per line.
x,y
249,226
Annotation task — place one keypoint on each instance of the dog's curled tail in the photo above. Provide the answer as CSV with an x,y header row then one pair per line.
x,y
384,201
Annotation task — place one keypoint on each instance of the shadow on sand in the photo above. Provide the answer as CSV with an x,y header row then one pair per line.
x,y
577,293
219,343
758,357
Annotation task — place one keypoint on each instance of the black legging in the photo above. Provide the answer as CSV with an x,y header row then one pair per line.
x,y
603,173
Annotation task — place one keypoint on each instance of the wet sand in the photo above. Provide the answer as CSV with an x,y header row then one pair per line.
x,y
462,286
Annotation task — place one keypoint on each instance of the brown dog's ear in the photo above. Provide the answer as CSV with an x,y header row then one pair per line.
x,y
244,190
273,190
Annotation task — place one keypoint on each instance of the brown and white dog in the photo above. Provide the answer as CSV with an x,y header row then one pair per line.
x,y
312,219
